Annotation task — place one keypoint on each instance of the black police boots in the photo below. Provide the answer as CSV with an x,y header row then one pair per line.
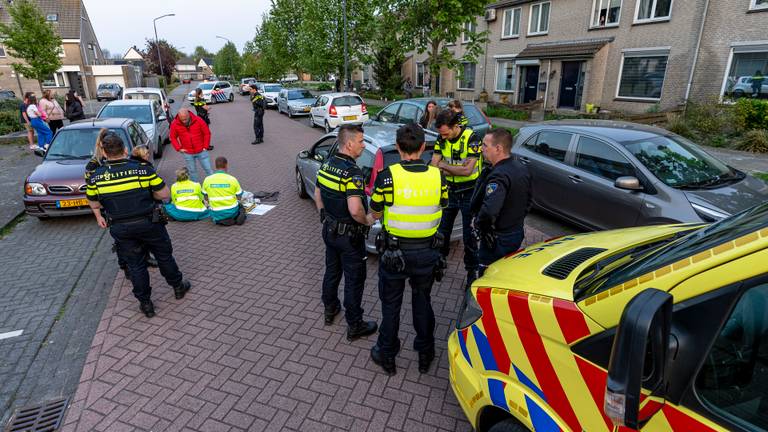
x,y
360,329
330,314
147,308
425,360
181,289
386,363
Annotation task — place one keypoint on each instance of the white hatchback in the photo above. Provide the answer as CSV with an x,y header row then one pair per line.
x,y
335,109
150,93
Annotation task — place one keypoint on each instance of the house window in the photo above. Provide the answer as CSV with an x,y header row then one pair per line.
x,y
52,17
642,75
747,76
469,29
467,79
419,74
653,10
2,50
505,76
511,23
605,13
759,4
539,19
55,80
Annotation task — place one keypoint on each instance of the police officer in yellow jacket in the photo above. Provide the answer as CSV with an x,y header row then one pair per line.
x,y
408,197
126,191
458,155
341,200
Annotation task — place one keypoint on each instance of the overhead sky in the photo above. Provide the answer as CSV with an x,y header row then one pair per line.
x,y
120,25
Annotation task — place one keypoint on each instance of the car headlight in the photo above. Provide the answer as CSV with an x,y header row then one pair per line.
x,y
470,311
708,214
35,189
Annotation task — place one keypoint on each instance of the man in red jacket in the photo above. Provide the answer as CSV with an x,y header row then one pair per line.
x,y
191,136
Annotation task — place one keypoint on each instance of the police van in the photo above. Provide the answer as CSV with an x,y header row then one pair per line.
x,y
661,328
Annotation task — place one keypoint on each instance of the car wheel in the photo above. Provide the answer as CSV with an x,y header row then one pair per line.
x,y
327,127
98,99
508,425
159,151
290,113
312,123
231,97
738,93
300,186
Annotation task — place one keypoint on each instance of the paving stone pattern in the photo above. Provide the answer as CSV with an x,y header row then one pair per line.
x,y
246,349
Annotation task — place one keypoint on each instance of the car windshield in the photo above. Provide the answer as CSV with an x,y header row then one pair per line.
x,y
140,113
347,101
105,86
679,163
299,94
272,88
701,240
143,96
77,143
205,86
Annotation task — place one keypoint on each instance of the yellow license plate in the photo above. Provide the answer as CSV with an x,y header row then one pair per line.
x,y
71,203
306,109
347,118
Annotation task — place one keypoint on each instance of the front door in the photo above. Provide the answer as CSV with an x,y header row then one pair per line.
x,y
530,83
570,85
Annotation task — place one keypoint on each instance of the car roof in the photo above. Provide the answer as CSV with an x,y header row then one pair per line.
x,y
340,94
381,135
132,102
613,130
116,122
143,90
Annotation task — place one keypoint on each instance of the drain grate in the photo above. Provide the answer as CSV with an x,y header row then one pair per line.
x,y
42,418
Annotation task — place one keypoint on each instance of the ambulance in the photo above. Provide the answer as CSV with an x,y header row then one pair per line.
x,y
660,328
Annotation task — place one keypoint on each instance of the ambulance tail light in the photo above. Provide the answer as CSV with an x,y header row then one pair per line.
x,y
470,311
378,165
332,111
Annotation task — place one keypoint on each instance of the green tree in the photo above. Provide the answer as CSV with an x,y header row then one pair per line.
x,y
201,52
228,61
167,55
428,25
31,38
177,54
250,60
270,42
388,54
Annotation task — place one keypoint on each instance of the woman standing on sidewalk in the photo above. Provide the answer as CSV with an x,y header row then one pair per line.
x,y
25,120
44,135
50,106
73,106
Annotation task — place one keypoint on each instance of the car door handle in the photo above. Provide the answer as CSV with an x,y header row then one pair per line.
x,y
575,178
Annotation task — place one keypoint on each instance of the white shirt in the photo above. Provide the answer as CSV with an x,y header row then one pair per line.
x,y
32,111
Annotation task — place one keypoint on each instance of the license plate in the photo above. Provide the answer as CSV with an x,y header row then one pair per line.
x,y
306,109
347,118
71,203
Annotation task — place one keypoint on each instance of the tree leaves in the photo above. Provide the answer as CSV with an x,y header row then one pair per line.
x,y
228,61
31,38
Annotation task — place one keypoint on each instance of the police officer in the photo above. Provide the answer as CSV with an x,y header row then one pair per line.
x,y
126,190
341,200
259,106
501,200
458,155
408,197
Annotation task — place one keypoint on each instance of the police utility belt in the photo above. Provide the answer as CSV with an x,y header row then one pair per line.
x,y
386,241
343,228
157,215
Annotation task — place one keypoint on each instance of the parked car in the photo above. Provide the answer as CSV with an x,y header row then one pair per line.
x,y
212,88
270,91
411,110
379,153
7,94
295,101
332,110
150,93
743,87
186,80
57,186
148,114
111,91
245,85
606,174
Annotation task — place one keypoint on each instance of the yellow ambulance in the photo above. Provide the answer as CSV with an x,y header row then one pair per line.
x,y
661,328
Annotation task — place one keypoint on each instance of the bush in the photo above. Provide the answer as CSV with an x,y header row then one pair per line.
x,y
505,113
10,105
9,122
680,126
324,87
710,118
751,114
755,140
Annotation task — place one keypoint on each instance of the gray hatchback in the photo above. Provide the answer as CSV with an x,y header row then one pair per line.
x,y
606,174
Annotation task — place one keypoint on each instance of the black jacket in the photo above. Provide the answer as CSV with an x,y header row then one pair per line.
x,y
502,197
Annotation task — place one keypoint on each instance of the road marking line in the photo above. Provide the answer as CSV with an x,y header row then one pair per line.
x,y
9,335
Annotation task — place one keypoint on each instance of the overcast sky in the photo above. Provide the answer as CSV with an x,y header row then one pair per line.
x,y
197,22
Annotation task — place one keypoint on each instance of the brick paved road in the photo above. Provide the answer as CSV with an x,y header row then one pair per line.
x,y
247,349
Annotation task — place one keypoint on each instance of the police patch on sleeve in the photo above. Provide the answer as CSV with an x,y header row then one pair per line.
x,y
358,181
491,188
475,146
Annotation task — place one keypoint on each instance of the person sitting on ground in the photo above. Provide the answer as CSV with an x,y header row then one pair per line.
x,y
223,192
456,106
186,199
140,154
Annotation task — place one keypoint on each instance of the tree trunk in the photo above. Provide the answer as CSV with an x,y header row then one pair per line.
x,y
434,69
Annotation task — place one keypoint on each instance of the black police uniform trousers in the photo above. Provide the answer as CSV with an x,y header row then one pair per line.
x,y
419,270
506,243
344,255
258,125
136,237
460,201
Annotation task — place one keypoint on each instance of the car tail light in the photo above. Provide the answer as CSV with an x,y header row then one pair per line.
x,y
332,111
378,165
364,108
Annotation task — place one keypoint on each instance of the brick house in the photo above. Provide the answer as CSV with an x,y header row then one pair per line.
x,y
80,50
186,68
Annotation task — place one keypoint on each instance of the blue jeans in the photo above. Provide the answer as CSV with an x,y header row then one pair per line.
x,y
460,201
44,134
506,243
205,162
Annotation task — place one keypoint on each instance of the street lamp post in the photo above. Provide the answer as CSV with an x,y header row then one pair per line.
x,y
232,72
157,45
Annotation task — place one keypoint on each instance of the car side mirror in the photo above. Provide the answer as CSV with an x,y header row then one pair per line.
x,y
644,329
304,154
162,118
171,101
319,157
628,183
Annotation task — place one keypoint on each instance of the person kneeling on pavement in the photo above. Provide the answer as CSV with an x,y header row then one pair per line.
x,y
223,192
126,191
186,199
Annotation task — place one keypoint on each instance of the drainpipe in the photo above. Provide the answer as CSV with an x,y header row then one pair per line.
x,y
546,88
485,54
696,52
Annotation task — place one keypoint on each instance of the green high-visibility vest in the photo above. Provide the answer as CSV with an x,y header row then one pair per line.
x,y
415,211
188,195
222,190
459,148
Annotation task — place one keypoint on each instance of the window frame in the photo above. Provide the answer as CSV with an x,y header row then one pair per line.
x,y
423,73
538,31
737,48
642,53
3,51
512,11
57,83
753,6
595,11
531,145
608,145
652,19
470,26
474,78
499,62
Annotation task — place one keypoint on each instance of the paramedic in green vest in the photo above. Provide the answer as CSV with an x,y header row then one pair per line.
x,y
223,192
186,199
458,155
408,197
